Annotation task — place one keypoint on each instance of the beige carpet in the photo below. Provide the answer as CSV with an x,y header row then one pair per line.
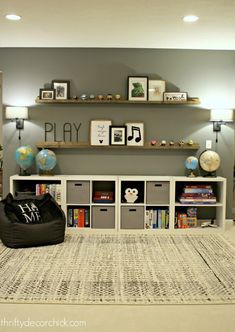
x,y
121,269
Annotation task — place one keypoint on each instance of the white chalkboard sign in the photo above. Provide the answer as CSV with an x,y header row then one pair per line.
x,y
99,132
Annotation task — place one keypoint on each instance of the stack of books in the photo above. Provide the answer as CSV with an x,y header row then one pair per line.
x,y
186,220
157,219
78,217
52,188
197,194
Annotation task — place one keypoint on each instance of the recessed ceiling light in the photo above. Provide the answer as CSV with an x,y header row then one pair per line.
x,y
190,18
13,17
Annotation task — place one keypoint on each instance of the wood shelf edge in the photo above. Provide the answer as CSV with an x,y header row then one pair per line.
x,y
86,145
190,101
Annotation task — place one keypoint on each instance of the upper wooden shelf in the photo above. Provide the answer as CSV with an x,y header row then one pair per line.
x,y
190,101
86,145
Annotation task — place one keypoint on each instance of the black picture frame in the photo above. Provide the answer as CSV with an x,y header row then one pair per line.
x,y
117,135
137,88
47,94
62,89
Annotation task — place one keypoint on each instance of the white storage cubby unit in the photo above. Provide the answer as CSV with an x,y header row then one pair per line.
x,y
136,203
76,196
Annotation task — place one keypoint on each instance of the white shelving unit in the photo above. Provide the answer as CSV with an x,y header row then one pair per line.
x,y
154,192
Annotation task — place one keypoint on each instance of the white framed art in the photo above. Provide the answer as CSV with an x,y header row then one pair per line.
x,y
99,132
156,89
135,133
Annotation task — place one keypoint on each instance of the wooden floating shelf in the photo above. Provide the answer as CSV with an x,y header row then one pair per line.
x,y
86,145
190,101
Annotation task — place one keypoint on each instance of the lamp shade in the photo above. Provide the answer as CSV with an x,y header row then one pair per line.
x,y
224,115
16,112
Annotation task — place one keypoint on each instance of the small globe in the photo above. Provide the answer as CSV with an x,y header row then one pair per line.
x,y
209,161
191,163
46,160
24,157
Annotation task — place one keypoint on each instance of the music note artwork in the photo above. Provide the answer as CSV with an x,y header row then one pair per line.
x,y
135,133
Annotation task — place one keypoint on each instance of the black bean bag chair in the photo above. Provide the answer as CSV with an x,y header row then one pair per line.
x,y
31,221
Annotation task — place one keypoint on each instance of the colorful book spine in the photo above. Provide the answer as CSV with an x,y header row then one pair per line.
x,y
70,218
75,217
86,217
81,218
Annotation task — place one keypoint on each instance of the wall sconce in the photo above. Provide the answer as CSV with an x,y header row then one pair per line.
x,y
220,117
17,114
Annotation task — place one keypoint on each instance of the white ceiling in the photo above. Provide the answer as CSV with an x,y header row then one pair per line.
x,y
122,23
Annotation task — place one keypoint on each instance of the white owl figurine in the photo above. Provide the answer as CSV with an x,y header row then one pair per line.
x,y
131,195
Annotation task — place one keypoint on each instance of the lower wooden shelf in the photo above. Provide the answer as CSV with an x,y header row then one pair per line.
x,y
86,145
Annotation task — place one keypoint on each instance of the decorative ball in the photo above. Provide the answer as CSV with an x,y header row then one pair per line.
x,y
46,160
153,142
83,97
191,163
24,156
181,143
109,97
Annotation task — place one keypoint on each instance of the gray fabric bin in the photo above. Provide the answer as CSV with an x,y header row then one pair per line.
x,y
157,192
103,217
132,217
78,192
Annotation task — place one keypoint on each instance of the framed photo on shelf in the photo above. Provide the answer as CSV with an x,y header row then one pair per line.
x,y
62,89
135,133
137,88
47,94
175,96
99,132
156,89
117,135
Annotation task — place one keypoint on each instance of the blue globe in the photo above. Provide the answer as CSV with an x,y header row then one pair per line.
x,y
46,160
24,156
191,163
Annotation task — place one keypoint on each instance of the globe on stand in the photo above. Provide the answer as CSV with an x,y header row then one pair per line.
x,y
24,157
191,164
45,161
209,162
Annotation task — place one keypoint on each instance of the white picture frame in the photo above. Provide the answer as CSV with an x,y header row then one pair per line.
x,y
135,133
156,90
99,132
172,97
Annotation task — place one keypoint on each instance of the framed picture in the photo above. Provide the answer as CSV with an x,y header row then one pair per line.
x,y
175,96
137,88
47,94
117,135
61,89
99,132
156,89
135,133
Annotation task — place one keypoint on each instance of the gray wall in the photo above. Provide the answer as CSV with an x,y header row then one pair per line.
x,y
208,75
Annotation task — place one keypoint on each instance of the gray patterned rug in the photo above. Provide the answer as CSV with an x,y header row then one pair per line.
x,y
121,269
